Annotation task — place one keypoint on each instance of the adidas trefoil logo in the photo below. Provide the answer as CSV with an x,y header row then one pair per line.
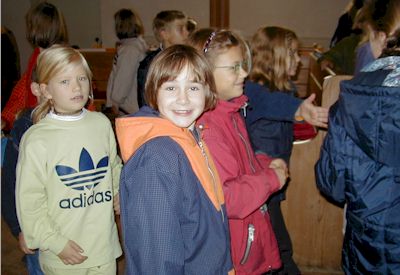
x,y
87,177
84,180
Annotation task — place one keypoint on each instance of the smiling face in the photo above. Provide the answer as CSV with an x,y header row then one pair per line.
x,y
181,100
68,90
228,81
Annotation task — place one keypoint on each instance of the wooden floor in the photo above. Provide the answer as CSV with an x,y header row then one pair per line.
x,y
11,257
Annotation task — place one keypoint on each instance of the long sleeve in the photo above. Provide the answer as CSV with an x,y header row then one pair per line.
x,y
330,168
116,164
8,178
269,105
31,199
124,90
244,192
150,213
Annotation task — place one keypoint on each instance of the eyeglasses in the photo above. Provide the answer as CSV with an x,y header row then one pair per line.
x,y
236,68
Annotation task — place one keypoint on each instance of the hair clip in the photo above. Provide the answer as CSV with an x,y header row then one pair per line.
x,y
207,44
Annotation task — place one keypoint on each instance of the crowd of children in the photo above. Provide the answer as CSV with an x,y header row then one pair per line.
x,y
205,134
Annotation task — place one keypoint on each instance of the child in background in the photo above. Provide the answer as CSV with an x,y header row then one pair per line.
x,y
169,28
45,26
359,162
8,211
247,179
172,206
275,60
381,17
122,83
67,172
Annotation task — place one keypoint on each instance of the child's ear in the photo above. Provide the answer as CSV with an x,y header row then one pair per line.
x,y
163,34
44,90
35,89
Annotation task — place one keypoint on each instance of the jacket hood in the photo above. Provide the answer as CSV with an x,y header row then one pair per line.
x,y
135,130
371,117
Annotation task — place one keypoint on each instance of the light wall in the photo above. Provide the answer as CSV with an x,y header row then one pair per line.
x,y
314,21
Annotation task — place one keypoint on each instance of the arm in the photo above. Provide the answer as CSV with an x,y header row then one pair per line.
x,y
116,166
244,192
151,204
31,199
330,168
8,210
125,75
269,105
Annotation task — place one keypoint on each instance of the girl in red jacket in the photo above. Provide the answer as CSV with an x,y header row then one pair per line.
x,y
248,179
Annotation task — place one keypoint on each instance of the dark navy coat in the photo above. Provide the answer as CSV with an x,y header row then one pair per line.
x,y
360,165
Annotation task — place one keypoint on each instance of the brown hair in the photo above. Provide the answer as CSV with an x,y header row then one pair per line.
x,y
51,62
45,26
169,63
128,24
213,42
383,15
163,18
271,48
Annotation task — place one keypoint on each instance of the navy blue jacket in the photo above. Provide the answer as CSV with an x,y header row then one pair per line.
x,y
142,75
360,165
169,224
269,120
8,210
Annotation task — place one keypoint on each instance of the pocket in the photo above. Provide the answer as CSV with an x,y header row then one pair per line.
x,y
250,239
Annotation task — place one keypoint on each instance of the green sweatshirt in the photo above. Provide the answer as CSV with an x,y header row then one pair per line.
x,y
67,175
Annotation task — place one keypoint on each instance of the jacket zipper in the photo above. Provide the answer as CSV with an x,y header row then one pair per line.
x,y
250,239
203,152
245,144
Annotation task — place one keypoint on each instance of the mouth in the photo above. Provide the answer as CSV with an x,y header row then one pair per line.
x,y
77,98
183,112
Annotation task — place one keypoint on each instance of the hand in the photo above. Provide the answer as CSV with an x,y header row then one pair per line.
x,y
22,244
72,254
315,115
281,170
116,204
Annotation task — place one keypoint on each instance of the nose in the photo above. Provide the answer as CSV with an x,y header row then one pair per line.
x,y
182,97
77,85
243,73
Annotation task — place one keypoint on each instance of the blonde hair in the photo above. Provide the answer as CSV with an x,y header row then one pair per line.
x,y
51,62
212,42
169,63
271,51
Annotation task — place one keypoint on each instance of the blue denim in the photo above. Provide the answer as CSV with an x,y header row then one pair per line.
x,y
32,264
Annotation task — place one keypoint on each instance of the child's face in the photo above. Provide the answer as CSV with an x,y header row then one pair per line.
x,y
182,100
229,81
68,90
175,33
294,59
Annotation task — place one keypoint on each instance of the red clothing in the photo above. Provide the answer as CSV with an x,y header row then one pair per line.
x,y
21,95
247,183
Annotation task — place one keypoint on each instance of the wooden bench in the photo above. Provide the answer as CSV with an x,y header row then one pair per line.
x,y
100,62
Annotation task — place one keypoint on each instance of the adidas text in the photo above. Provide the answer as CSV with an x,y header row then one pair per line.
x,y
83,200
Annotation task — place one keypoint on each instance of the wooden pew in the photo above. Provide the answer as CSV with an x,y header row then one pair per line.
x,y
309,77
314,224
100,62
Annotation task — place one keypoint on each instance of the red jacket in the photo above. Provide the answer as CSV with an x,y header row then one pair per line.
x,y
247,183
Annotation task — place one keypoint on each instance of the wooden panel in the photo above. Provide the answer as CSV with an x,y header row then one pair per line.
x,y
314,224
100,62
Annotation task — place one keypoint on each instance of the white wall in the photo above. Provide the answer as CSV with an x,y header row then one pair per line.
x,y
312,20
